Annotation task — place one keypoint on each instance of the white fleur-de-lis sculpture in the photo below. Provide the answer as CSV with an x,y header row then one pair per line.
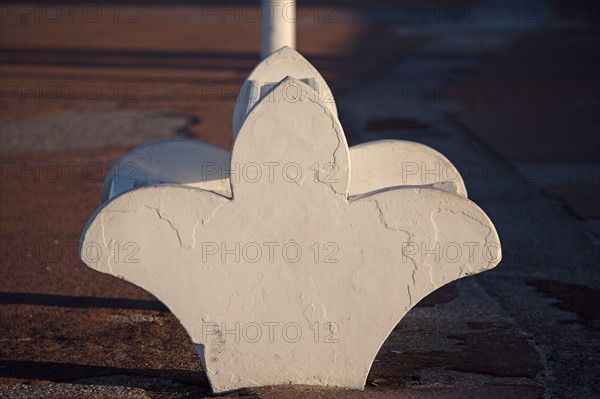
x,y
288,270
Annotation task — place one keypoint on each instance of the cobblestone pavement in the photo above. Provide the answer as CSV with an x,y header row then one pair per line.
x,y
509,92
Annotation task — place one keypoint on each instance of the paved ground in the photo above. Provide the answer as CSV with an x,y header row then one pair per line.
x,y
509,93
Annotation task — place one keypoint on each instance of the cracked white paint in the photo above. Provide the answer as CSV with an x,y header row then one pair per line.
x,y
315,319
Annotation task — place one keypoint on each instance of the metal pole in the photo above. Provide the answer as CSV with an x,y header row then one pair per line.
x,y
279,25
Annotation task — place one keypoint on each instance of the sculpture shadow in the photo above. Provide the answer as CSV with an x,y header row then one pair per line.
x,y
160,380
17,298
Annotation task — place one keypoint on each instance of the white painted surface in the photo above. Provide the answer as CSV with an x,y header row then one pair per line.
x,y
282,63
174,161
388,163
279,25
289,281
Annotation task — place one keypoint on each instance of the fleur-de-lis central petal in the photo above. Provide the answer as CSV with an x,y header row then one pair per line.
x,y
295,134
